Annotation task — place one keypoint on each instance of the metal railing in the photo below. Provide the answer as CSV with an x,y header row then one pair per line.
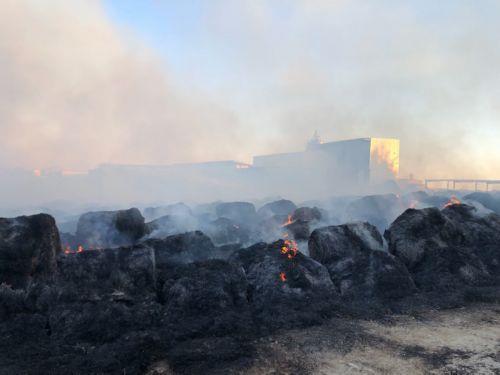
x,y
452,182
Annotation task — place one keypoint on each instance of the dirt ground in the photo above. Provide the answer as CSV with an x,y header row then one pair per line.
x,y
456,341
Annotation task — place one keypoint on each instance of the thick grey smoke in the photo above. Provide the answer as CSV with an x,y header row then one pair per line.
x,y
76,92
424,72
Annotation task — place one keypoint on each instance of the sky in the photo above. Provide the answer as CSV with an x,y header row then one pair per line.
x,y
86,82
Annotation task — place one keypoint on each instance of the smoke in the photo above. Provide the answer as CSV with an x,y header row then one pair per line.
x,y
423,72
77,91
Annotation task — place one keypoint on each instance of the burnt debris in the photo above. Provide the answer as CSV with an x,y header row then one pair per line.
x,y
121,299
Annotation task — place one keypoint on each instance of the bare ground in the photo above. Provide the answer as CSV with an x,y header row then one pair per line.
x,y
456,341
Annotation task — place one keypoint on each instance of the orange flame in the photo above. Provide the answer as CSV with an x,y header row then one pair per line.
x,y
290,249
68,250
288,221
453,201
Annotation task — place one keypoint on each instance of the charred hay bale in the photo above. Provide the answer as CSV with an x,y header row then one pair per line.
x,y
12,301
449,248
177,209
224,231
270,229
307,214
299,229
488,200
107,229
169,225
204,299
181,249
378,210
279,207
287,288
117,274
358,265
416,230
101,321
239,212
334,243
28,249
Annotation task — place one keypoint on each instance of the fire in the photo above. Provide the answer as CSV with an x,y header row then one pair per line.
x,y
290,249
453,200
68,250
288,221
385,153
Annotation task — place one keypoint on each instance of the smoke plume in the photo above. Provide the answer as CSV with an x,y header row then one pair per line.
x,y
78,90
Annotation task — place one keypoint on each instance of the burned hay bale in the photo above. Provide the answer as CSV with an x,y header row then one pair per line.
x,y
28,249
358,265
286,288
279,207
447,249
107,229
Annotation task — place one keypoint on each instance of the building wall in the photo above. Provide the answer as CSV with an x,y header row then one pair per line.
x,y
328,168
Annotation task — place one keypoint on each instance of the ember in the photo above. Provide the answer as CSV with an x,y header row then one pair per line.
x,y
288,221
68,250
453,200
290,248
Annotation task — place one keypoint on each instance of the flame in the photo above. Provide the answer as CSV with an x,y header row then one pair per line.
x,y
68,250
453,200
288,221
290,249
385,152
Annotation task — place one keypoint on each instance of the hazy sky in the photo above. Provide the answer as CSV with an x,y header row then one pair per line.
x,y
84,82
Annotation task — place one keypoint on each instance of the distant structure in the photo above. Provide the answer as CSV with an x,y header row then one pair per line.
x,y
338,166
323,169
314,142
